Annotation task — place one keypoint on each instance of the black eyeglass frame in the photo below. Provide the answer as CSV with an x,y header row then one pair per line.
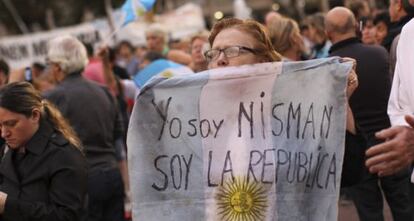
x,y
223,50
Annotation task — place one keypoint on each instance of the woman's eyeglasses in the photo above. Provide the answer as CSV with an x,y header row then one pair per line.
x,y
229,52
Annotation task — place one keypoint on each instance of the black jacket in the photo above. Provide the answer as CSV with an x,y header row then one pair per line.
x,y
370,100
92,112
368,103
48,184
394,29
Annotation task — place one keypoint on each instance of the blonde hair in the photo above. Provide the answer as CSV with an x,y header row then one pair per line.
x,y
22,98
282,32
317,21
252,28
60,124
203,35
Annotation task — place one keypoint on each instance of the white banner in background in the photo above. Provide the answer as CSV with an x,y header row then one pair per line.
x,y
22,51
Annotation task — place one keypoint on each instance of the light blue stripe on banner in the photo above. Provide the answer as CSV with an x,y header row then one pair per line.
x,y
153,69
143,134
302,124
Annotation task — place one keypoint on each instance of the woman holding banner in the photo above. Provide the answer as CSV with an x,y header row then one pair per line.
x,y
238,42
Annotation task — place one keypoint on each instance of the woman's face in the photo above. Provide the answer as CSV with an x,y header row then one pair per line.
x,y
233,37
312,34
369,33
381,31
393,9
17,129
125,52
3,78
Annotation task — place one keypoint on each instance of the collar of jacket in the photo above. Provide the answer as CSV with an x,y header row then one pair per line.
x,y
395,28
73,75
320,46
404,20
344,43
38,142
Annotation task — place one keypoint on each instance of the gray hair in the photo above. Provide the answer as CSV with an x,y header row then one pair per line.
x,y
157,30
68,52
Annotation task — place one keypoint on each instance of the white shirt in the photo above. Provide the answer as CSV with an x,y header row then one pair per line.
x,y
401,101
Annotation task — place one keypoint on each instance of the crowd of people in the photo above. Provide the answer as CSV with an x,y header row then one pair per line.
x,y
63,122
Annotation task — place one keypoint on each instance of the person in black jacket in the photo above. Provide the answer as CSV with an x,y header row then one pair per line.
x,y
43,173
92,112
369,106
401,12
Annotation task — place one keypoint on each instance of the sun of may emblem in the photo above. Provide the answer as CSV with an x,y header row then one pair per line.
x,y
140,11
241,201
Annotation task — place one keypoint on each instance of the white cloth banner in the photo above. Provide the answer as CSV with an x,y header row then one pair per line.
x,y
23,50
259,142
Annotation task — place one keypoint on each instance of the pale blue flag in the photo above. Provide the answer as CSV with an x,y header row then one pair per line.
x,y
255,142
160,67
133,9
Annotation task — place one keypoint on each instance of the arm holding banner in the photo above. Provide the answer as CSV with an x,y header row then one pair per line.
x,y
351,87
179,57
354,141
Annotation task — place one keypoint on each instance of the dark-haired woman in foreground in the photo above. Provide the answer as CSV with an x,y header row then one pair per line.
x,y
43,174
